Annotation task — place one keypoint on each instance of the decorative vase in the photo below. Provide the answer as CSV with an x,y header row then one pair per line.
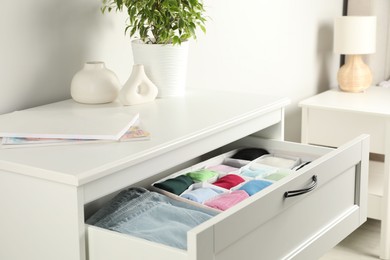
x,y
138,89
94,84
165,65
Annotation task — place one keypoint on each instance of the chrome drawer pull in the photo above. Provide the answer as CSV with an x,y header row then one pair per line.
x,y
294,193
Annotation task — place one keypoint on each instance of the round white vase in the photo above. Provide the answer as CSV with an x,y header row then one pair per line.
x,y
165,65
94,84
138,88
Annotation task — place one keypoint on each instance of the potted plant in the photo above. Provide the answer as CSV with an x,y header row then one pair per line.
x,y
163,28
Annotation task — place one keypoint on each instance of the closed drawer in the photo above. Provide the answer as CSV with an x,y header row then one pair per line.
x,y
333,128
268,225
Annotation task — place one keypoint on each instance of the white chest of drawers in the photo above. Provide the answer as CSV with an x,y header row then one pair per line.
x,y
46,192
333,117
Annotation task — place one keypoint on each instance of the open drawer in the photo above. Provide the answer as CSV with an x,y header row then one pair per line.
x,y
269,225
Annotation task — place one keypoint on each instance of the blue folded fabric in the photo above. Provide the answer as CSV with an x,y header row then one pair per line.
x,y
254,186
150,216
258,172
201,195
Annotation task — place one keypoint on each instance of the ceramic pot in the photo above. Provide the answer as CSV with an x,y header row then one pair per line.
x,y
165,65
94,84
138,88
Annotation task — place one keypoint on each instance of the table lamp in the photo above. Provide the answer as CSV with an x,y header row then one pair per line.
x,y
354,36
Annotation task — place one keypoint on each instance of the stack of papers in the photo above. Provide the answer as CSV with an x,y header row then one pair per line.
x,y
59,127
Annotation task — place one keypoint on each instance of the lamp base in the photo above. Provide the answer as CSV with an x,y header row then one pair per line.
x,y
355,75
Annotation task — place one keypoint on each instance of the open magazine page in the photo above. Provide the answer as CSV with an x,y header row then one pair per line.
x,y
135,133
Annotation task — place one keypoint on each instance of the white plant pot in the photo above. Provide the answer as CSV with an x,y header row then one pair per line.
x,y
165,65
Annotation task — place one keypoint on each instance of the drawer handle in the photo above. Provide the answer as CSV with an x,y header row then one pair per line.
x,y
294,193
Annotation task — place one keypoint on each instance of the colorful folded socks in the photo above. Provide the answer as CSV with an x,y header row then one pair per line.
x,y
175,185
254,186
201,195
227,200
203,175
229,181
250,154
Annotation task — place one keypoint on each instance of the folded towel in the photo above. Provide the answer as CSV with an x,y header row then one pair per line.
x,y
203,175
229,181
227,200
201,195
254,186
175,185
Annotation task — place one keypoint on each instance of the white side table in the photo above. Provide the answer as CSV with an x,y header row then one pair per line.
x,y
333,117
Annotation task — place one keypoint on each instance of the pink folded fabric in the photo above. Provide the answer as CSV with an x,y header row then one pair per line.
x,y
227,200
229,181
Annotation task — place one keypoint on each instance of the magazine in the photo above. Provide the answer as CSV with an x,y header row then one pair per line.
x,y
134,133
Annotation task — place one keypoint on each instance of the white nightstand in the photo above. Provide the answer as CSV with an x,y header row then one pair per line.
x,y
333,117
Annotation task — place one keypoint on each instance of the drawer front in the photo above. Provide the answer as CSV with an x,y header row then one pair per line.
x,y
334,128
268,225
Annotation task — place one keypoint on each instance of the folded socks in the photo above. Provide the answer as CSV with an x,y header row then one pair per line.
x,y
229,181
250,154
254,186
175,185
203,175
227,200
201,195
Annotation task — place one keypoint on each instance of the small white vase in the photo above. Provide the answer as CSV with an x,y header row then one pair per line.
x,y
165,65
94,84
138,89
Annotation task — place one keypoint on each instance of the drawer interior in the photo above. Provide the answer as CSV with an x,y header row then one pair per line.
x,y
253,212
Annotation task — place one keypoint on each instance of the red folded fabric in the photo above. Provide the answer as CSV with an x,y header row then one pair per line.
x,y
229,181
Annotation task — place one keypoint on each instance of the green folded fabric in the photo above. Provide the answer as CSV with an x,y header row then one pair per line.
x,y
175,185
202,175
276,176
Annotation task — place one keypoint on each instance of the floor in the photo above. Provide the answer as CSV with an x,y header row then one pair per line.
x,y
363,244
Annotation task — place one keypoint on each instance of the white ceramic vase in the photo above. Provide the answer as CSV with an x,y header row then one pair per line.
x,y
138,88
94,84
165,65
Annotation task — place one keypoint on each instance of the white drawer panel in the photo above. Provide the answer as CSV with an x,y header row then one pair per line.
x,y
349,125
267,225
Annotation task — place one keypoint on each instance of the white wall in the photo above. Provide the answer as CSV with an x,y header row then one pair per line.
x,y
278,47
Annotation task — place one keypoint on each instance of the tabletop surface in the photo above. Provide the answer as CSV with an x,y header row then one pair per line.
x,y
172,122
375,100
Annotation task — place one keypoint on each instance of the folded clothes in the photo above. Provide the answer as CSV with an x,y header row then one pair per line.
x,y
227,200
222,168
201,195
175,185
229,181
249,154
254,186
277,161
150,216
203,175
276,176
259,171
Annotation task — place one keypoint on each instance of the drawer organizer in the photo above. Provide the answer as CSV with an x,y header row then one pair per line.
x,y
224,180
301,215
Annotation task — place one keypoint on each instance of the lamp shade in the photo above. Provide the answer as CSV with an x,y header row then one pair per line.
x,y
354,35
